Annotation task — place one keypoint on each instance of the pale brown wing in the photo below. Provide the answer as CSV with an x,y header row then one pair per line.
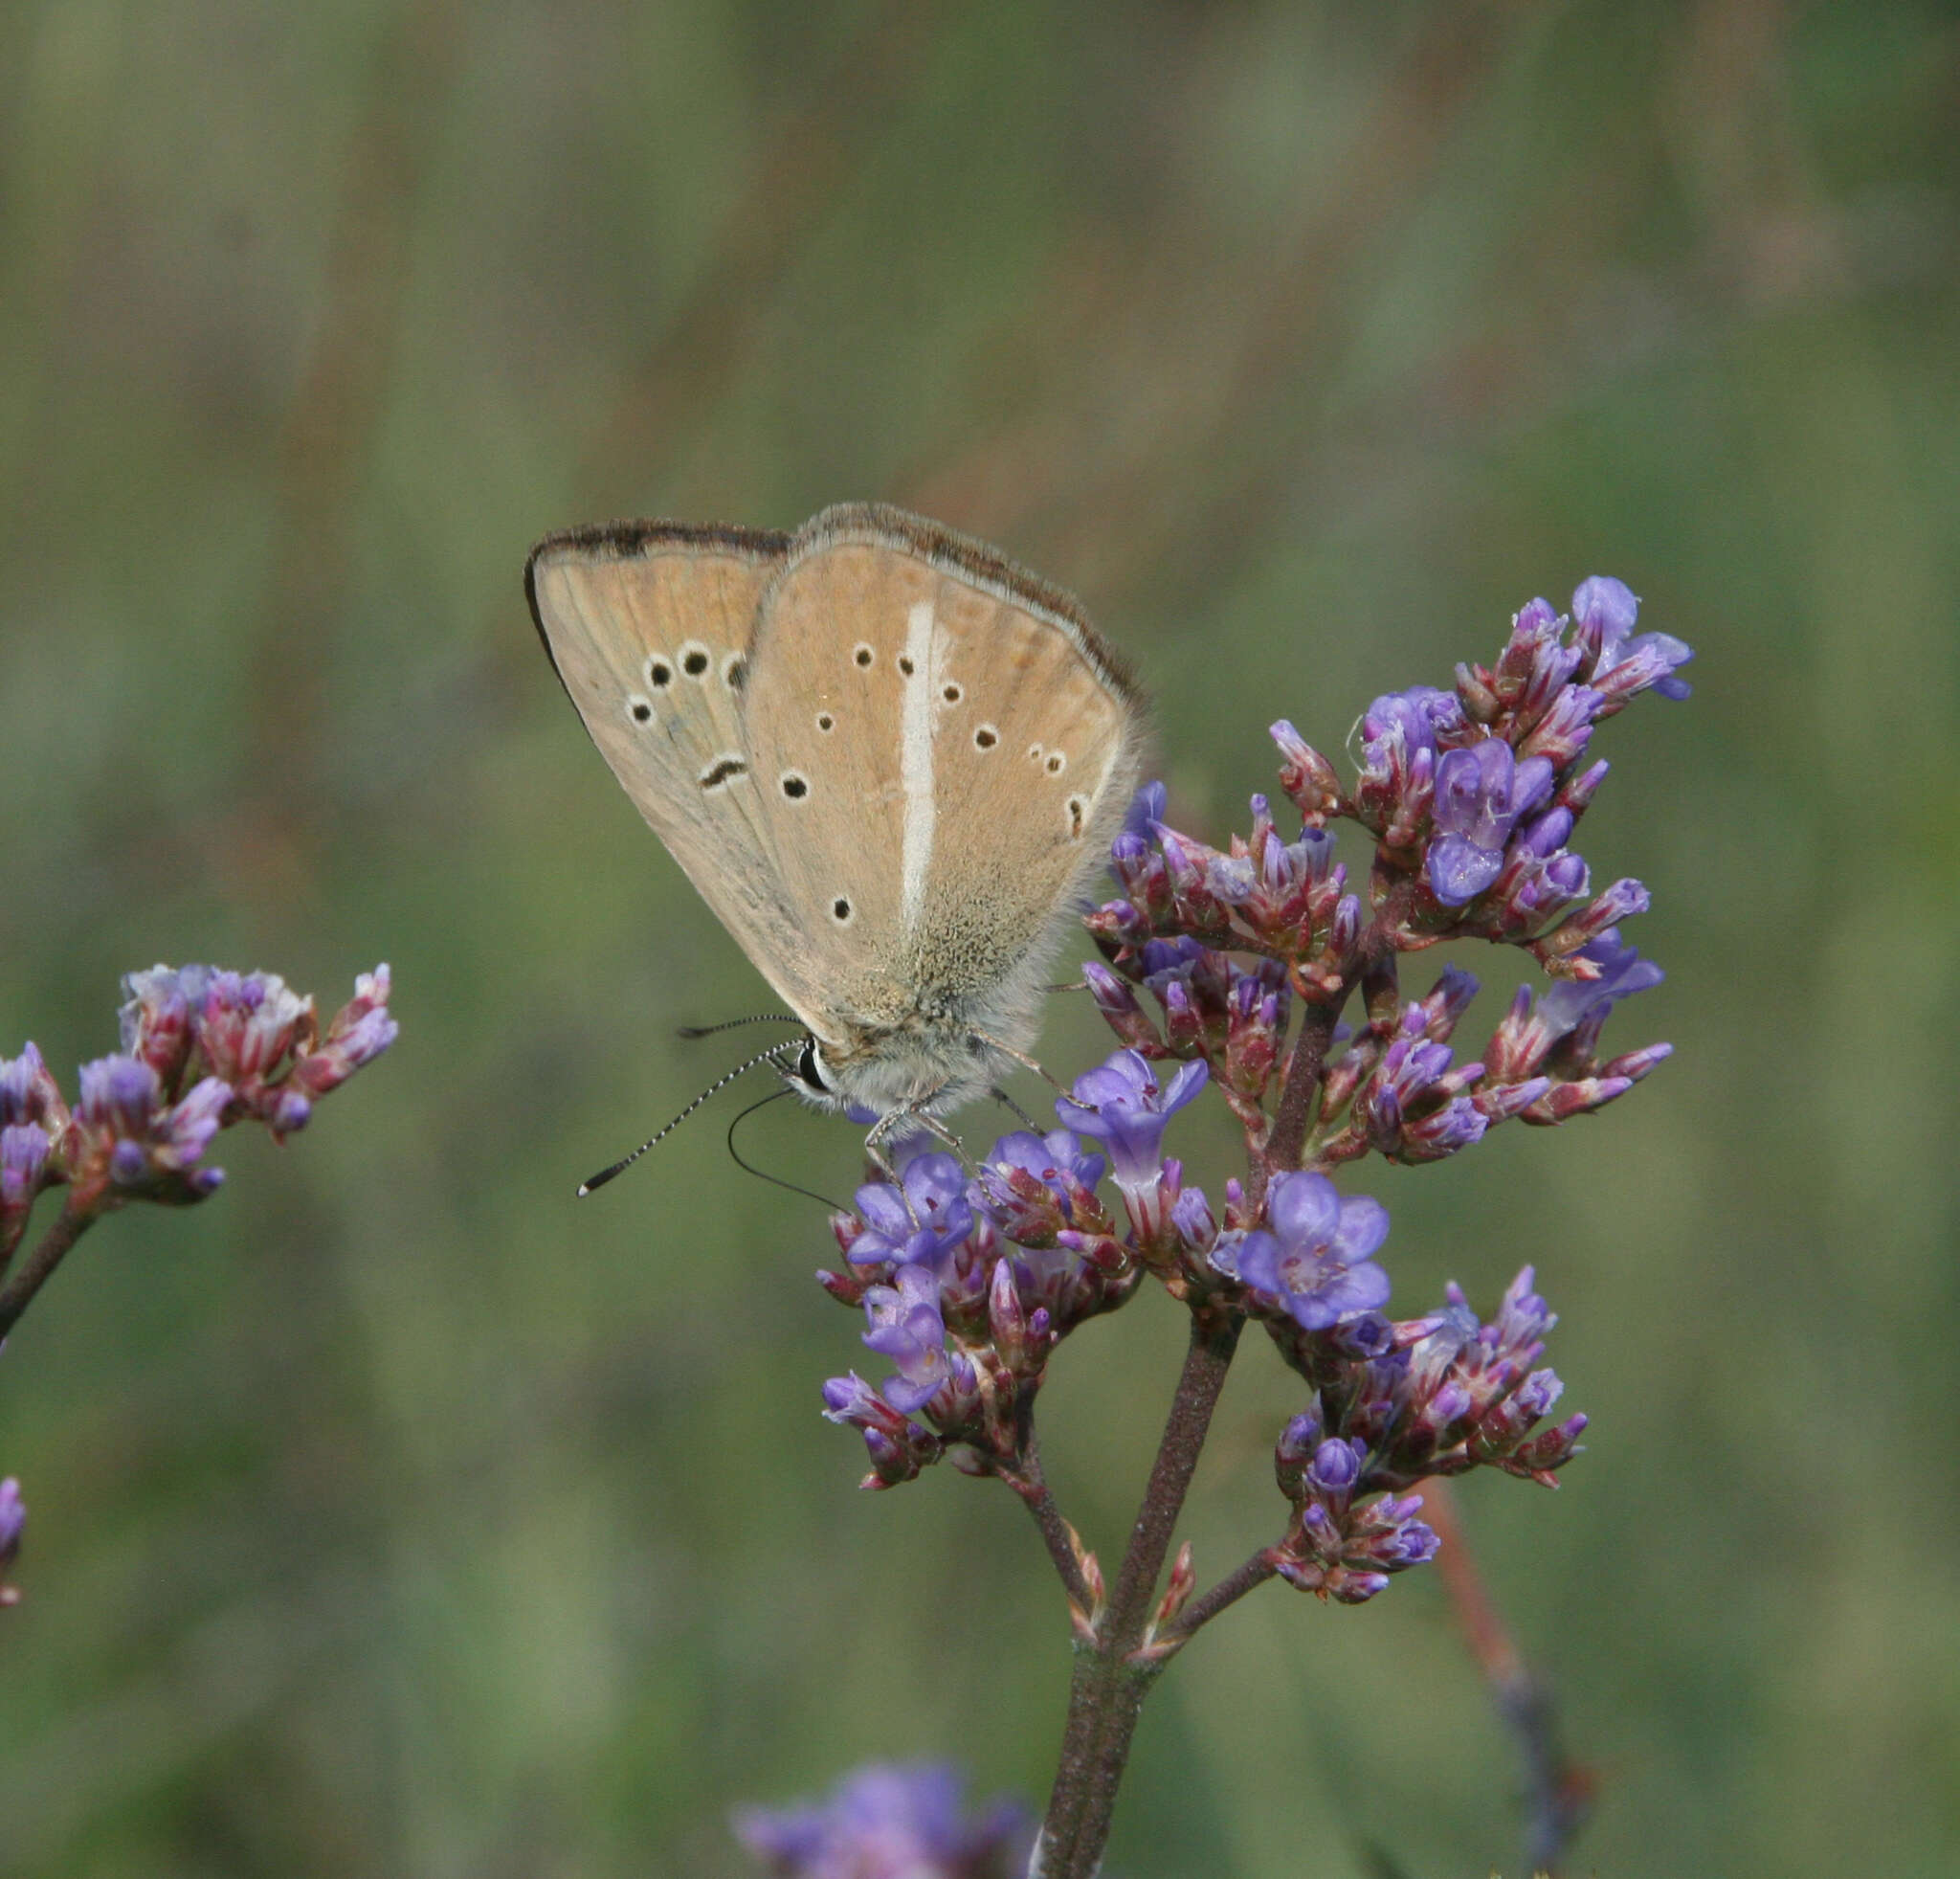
x,y
943,747
648,625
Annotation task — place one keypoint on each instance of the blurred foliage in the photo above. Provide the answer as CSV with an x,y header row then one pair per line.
x,y
392,1513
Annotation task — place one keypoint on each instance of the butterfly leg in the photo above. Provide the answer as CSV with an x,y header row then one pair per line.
x,y
1020,1057
890,1124
1026,1120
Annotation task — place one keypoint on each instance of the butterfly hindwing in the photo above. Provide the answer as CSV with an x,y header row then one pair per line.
x,y
648,625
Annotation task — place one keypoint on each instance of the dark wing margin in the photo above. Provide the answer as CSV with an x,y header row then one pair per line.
x,y
986,568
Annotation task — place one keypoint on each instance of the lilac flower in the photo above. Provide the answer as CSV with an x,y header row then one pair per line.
x,y
1125,1105
920,1225
1481,792
28,1091
1561,1033
119,1096
1565,728
1535,664
898,1448
1335,1468
1197,1229
362,1029
252,1031
12,1520
1422,716
23,1163
1399,734
246,1023
1032,1186
1415,1107
141,1138
1571,1002
1605,611
12,1524
1117,1001
1315,1264
1306,776
1541,877
1145,808
1466,1395
160,1015
890,1823
907,1327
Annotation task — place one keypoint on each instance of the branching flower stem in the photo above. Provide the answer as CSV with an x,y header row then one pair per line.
x,y
1108,1690
1106,1693
1207,1606
38,1268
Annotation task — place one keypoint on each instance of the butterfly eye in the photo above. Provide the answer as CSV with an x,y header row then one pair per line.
x,y
1057,763
825,722
809,1069
795,786
694,660
986,738
862,657
905,665
734,670
639,709
841,911
1077,818
952,694
659,674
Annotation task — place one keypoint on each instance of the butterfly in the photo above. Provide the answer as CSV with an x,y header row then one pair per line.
x,y
886,757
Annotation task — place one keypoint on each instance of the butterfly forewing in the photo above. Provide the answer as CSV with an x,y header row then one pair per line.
x,y
648,625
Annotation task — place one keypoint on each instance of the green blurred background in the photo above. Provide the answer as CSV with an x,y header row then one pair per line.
x,y
394,1514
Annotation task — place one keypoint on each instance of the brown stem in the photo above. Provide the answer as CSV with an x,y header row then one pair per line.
x,y
1107,1695
1297,1096
1558,1793
33,1273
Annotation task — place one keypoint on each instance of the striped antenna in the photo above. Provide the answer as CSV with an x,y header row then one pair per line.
x,y
734,1023
625,1162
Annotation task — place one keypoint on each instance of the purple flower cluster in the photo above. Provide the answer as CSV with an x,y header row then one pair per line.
x,y
969,1283
201,1050
1286,901
1339,1545
886,1821
1453,1395
1229,970
1473,794
254,1035
1444,1395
